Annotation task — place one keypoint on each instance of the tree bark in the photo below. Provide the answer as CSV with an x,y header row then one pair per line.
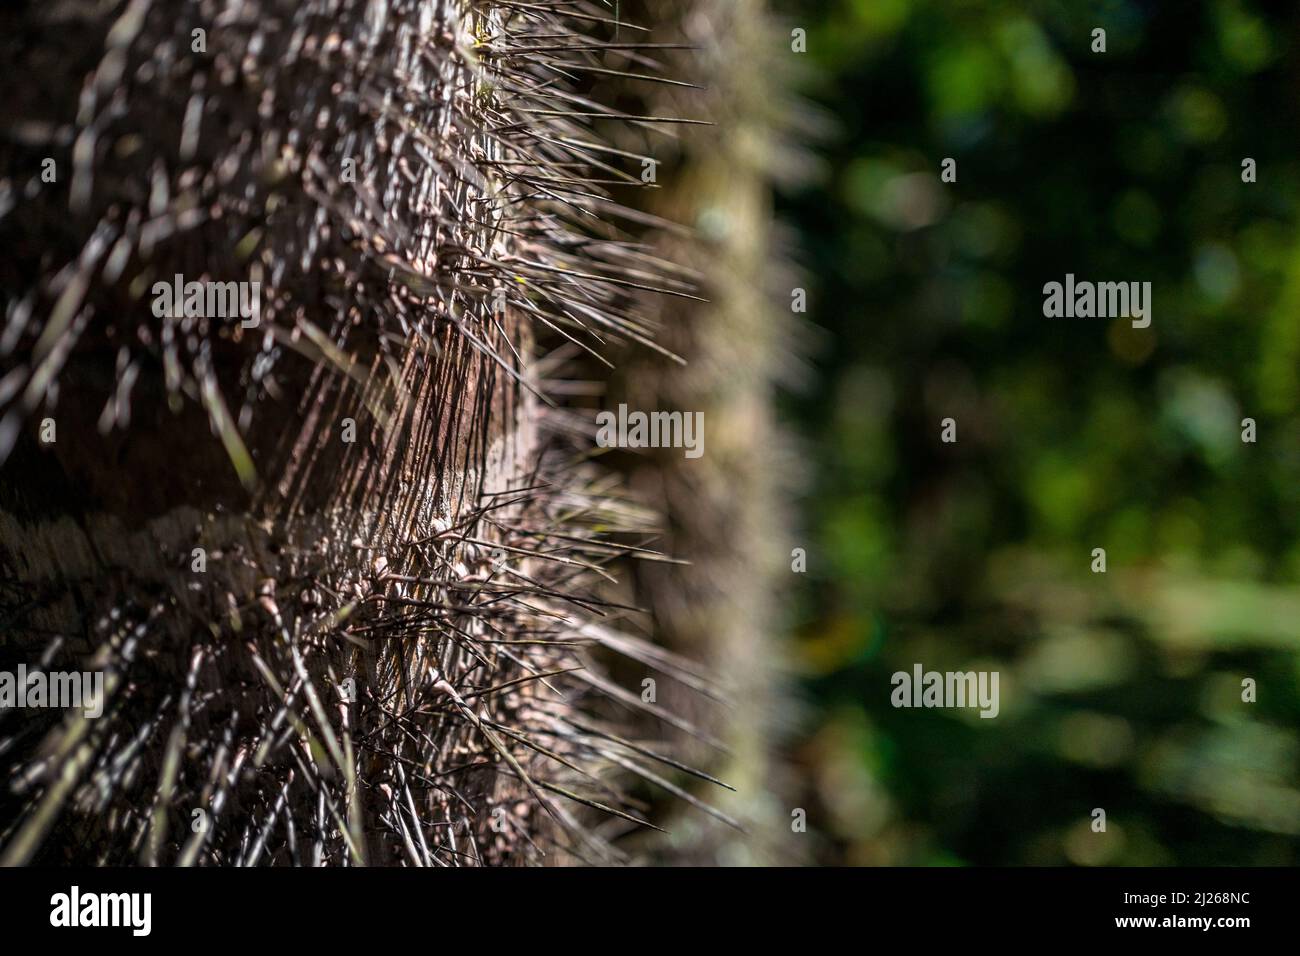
x,y
330,564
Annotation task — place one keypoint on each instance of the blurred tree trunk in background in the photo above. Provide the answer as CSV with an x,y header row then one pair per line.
x,y
725,510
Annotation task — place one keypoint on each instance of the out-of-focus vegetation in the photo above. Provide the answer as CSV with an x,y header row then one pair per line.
x,y
1120,690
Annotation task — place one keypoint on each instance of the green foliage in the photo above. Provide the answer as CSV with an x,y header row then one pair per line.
x,y
1119,690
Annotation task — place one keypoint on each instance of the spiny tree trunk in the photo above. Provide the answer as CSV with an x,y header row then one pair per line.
x,y
341,569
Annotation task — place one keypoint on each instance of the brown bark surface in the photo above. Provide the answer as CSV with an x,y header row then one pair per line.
x,y
382,652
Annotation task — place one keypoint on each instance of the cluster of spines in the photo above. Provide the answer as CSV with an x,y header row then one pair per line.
x,y
481,204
